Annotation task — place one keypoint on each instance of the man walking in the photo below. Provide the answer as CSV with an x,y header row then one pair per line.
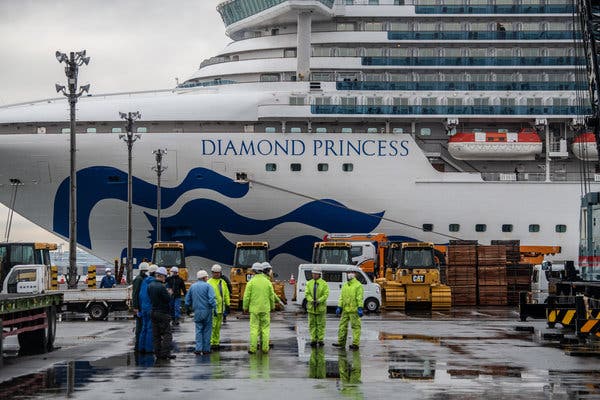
x,y
222,297
259,300
350,307
145,342
178,290
317,292
135,301
201,299
161,316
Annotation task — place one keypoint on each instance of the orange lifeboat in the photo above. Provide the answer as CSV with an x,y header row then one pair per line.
x,y
524,145
584,147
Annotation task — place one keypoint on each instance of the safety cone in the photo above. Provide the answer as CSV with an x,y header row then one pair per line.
x,y
292,280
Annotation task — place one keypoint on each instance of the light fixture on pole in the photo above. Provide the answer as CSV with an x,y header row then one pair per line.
x,y
72,63
159,169
130,139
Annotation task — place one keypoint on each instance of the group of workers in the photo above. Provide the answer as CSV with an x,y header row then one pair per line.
x,y
156,300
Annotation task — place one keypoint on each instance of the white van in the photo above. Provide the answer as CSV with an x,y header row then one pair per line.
x,y
335,276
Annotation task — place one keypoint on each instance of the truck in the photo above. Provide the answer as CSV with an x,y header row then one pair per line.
x,y
245,255
368,250
35,279
412,278
16,253
170,254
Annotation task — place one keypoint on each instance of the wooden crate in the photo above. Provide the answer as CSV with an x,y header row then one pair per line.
x,y
513,250
493,295
491,255
462,255
464,295
495,275
519,274
458,275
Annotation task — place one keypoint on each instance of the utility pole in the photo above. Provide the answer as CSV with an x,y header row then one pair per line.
x,y
130,139
159,169
72,63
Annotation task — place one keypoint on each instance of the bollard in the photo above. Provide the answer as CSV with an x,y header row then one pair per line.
x,y
91,277
54,277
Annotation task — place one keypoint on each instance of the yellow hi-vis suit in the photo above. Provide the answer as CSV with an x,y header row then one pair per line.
x,y
259,300
222,299
350,301
317,292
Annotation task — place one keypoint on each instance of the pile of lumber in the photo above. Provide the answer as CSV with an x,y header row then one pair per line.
x,y
462,272
518,280
491,275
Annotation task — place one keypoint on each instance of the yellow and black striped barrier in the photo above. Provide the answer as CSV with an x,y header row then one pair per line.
x,y
590,327
53,277
563,316
91,277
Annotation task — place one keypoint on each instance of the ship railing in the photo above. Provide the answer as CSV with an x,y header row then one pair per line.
x,y
555,176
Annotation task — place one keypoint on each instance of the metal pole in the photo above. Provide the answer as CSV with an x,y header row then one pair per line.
x,y
73,61
159,170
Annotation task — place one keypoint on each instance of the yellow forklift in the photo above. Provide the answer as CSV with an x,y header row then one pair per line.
x,y
412,278
246,254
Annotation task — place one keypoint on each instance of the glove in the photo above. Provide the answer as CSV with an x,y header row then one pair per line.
x,y
338,311
360,312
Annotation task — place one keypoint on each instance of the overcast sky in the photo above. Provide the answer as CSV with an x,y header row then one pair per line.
x,y
133,45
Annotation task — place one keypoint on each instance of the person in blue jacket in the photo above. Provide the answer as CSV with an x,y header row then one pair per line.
x,y
201,299
145,342
108,281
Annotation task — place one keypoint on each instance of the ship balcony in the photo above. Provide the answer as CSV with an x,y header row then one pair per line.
x,y
467,86
244,14
496,9
483,35
473,61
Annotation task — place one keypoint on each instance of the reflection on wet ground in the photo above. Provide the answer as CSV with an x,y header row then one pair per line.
x,y
466,355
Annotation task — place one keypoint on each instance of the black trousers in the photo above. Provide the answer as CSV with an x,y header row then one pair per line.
x,y
161,334
138,331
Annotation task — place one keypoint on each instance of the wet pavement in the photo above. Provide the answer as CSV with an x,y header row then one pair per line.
x,y
466,354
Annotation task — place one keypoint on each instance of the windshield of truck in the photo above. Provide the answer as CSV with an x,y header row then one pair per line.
x,y
245,257
418,258
168,257
336,255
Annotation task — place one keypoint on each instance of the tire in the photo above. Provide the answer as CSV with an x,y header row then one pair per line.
x,y
97,311
371,305
51,329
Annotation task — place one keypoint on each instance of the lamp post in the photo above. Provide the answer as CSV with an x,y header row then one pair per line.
x,y
72,63
130,139
159,169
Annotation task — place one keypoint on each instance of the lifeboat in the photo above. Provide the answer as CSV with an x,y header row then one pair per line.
x,y
524,145
584,147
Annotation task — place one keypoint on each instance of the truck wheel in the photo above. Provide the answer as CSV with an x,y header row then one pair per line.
x,y
51,329
371,305
97,311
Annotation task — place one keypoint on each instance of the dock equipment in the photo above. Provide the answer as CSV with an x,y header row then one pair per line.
x,y
20,253
170,254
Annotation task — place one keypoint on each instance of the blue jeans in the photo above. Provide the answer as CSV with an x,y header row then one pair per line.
x,y
145,341
176,308
203,333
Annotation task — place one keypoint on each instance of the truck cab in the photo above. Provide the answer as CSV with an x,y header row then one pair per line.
x,y
26,253
332,253
170,254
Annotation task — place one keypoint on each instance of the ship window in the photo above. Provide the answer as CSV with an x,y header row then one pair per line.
x,y
507,228
374,2
65,130
372,130
348,101
270,78
296,101
321,76
322,101
400,101
346,51
427,227
142,129
425,131
116,130
91,130
322,167
373,26
398,2
534,228
270,129
347,167
289,53
346,26
271,167
321,130
397,130
295,129
346,130
295,167
454,227
480,228
560,228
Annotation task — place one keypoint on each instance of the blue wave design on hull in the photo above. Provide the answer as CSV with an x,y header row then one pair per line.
x,y
200,222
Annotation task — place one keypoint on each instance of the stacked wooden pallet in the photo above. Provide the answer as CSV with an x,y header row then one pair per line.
x,y
518,280
491,275
513,250
462,272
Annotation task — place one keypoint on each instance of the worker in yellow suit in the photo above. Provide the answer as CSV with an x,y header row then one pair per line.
x,y
350,306
222,297
259,300
317,292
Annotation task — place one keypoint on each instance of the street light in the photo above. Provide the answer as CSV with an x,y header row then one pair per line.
x,y
159,169
72,63
130,139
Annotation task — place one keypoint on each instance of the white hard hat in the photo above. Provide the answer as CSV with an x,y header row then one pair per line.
x,y
257,266
144,266
174,269
317,271
266,265
107,270
216,268
152,268
201,274
161,271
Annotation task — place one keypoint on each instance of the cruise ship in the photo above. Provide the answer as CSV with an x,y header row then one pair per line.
x,y
429,120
